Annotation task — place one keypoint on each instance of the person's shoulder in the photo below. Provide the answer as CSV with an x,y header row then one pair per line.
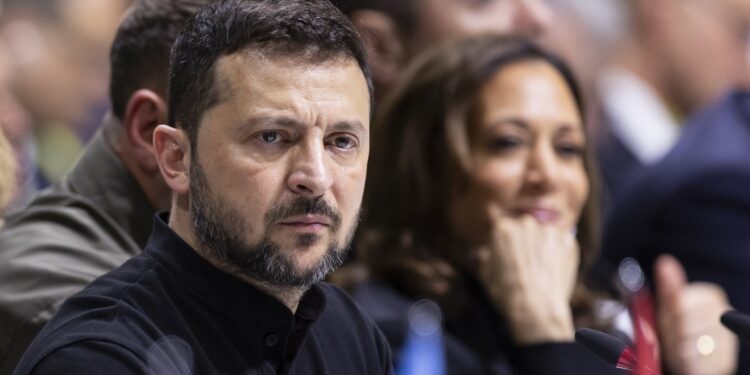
x,y
85,356
711,155
107,311
57,245
61,222
715,138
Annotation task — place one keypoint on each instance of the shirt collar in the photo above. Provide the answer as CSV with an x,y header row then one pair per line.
x,y
641,120
220,288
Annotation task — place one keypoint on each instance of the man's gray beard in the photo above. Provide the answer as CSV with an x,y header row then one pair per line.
x,y
219,228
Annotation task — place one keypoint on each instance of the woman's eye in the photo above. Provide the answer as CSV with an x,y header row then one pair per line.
x,y
344,143
269,137
570,150
506,143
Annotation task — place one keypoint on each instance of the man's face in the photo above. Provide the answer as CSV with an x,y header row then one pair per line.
x,y
440,20
279,168
704,49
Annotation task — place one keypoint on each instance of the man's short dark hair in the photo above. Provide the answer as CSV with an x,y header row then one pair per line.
x,y
401,11
139,56
312,30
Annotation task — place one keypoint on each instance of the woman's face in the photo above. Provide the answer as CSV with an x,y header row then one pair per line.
x,y
527,146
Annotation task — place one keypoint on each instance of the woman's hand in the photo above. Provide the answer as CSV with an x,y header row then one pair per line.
x,y
529,271
693,341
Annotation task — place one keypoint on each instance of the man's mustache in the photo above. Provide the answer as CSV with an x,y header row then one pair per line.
x,y
304,206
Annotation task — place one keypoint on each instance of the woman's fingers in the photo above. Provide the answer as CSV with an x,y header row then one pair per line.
x,y
530,276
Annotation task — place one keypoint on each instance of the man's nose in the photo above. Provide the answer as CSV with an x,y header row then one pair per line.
x,y
310,175
532,17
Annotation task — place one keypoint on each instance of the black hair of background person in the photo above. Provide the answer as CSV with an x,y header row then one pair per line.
x,y
318,37
139,56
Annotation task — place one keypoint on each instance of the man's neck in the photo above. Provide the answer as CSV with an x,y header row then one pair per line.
x,y
289,296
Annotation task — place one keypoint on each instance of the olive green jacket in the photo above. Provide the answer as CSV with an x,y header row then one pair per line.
x,y
70,234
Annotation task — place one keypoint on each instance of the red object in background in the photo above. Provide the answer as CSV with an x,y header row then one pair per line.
x,y
641,307
646,338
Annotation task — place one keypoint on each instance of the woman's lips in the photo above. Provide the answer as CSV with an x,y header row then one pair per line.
x,y
542,215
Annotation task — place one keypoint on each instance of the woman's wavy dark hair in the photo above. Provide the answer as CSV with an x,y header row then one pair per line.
x,y
420,156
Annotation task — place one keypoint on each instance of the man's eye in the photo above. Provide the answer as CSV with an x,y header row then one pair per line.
x,y
344,143
269,137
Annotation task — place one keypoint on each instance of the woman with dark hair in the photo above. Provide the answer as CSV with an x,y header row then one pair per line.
x,y
482,197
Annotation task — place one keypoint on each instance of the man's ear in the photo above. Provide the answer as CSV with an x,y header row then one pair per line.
x,y
382,40
144,112
172,151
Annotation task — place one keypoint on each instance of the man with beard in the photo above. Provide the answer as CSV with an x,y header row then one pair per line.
x,y
267,161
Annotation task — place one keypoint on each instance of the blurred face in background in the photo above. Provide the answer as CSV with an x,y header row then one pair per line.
x,y
15,122
7,173
440,20
527,146
392,45
15,127
705,49
61,60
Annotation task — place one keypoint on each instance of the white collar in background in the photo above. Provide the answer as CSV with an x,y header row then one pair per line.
x,y
639,117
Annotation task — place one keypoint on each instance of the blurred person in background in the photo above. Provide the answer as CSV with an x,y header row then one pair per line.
x,y
58,52
482,197
396,31
7,174
649,66
100,214
695,205
12,121
15,123
676,170
673,138
586,33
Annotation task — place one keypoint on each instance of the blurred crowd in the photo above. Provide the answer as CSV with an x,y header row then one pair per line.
x,y
54,79
625,121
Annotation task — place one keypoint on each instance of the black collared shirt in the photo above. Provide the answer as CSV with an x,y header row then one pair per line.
x,y
168,311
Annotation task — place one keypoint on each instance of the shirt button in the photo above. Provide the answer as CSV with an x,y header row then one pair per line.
x,y
272,339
